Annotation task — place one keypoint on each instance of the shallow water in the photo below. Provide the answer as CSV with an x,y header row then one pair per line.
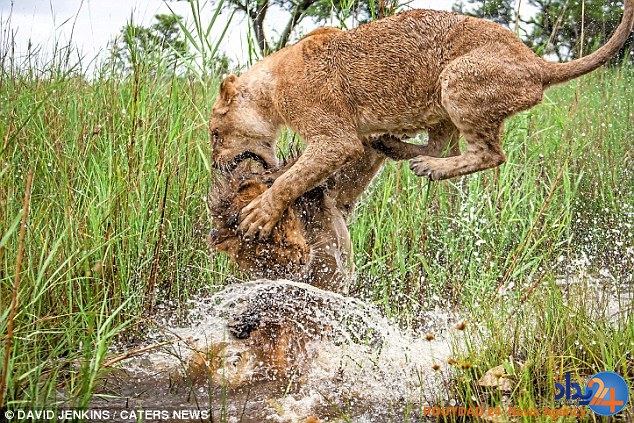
x,y
337,358
309,353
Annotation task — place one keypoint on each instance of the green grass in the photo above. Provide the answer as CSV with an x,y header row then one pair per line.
x,y
117,218
117,224
499,245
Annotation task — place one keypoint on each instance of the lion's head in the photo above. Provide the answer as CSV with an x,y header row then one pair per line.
x,y
239,127
286,254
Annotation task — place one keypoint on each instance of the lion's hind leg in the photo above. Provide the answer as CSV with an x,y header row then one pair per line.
x,y
478,93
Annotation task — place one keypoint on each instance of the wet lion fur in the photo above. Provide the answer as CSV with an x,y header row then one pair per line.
x,y
272,323
311,242
419,70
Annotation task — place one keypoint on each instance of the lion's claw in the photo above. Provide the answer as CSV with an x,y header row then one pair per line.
x,y
422,166
253,224
258,217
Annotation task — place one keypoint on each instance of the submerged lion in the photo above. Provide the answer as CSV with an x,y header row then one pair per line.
x,y
420,70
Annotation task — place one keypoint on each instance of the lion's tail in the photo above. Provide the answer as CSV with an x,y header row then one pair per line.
x,y
556,73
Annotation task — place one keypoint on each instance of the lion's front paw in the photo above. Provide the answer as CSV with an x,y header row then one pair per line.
x,y
260,216
429,167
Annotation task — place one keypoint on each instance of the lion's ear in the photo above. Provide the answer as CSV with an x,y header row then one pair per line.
x,y
227,92
230,246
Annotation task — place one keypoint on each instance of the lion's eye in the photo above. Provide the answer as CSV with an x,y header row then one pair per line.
x,y
215,135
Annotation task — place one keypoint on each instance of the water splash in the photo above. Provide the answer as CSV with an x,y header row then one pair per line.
x,y
307,352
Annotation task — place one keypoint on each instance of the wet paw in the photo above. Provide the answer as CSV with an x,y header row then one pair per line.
x,y
260,217
427,167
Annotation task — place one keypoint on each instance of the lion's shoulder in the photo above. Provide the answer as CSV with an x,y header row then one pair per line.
x,y
323,31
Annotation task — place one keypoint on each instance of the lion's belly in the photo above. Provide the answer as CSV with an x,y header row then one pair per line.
x,y
403,122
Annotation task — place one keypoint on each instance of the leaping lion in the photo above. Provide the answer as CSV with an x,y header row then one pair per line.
x,y
420,70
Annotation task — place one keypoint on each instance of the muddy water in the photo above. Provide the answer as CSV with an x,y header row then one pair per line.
x,y
310,353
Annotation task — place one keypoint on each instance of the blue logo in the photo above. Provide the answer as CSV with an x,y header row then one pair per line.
x,y
572,391
606,393
610,393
